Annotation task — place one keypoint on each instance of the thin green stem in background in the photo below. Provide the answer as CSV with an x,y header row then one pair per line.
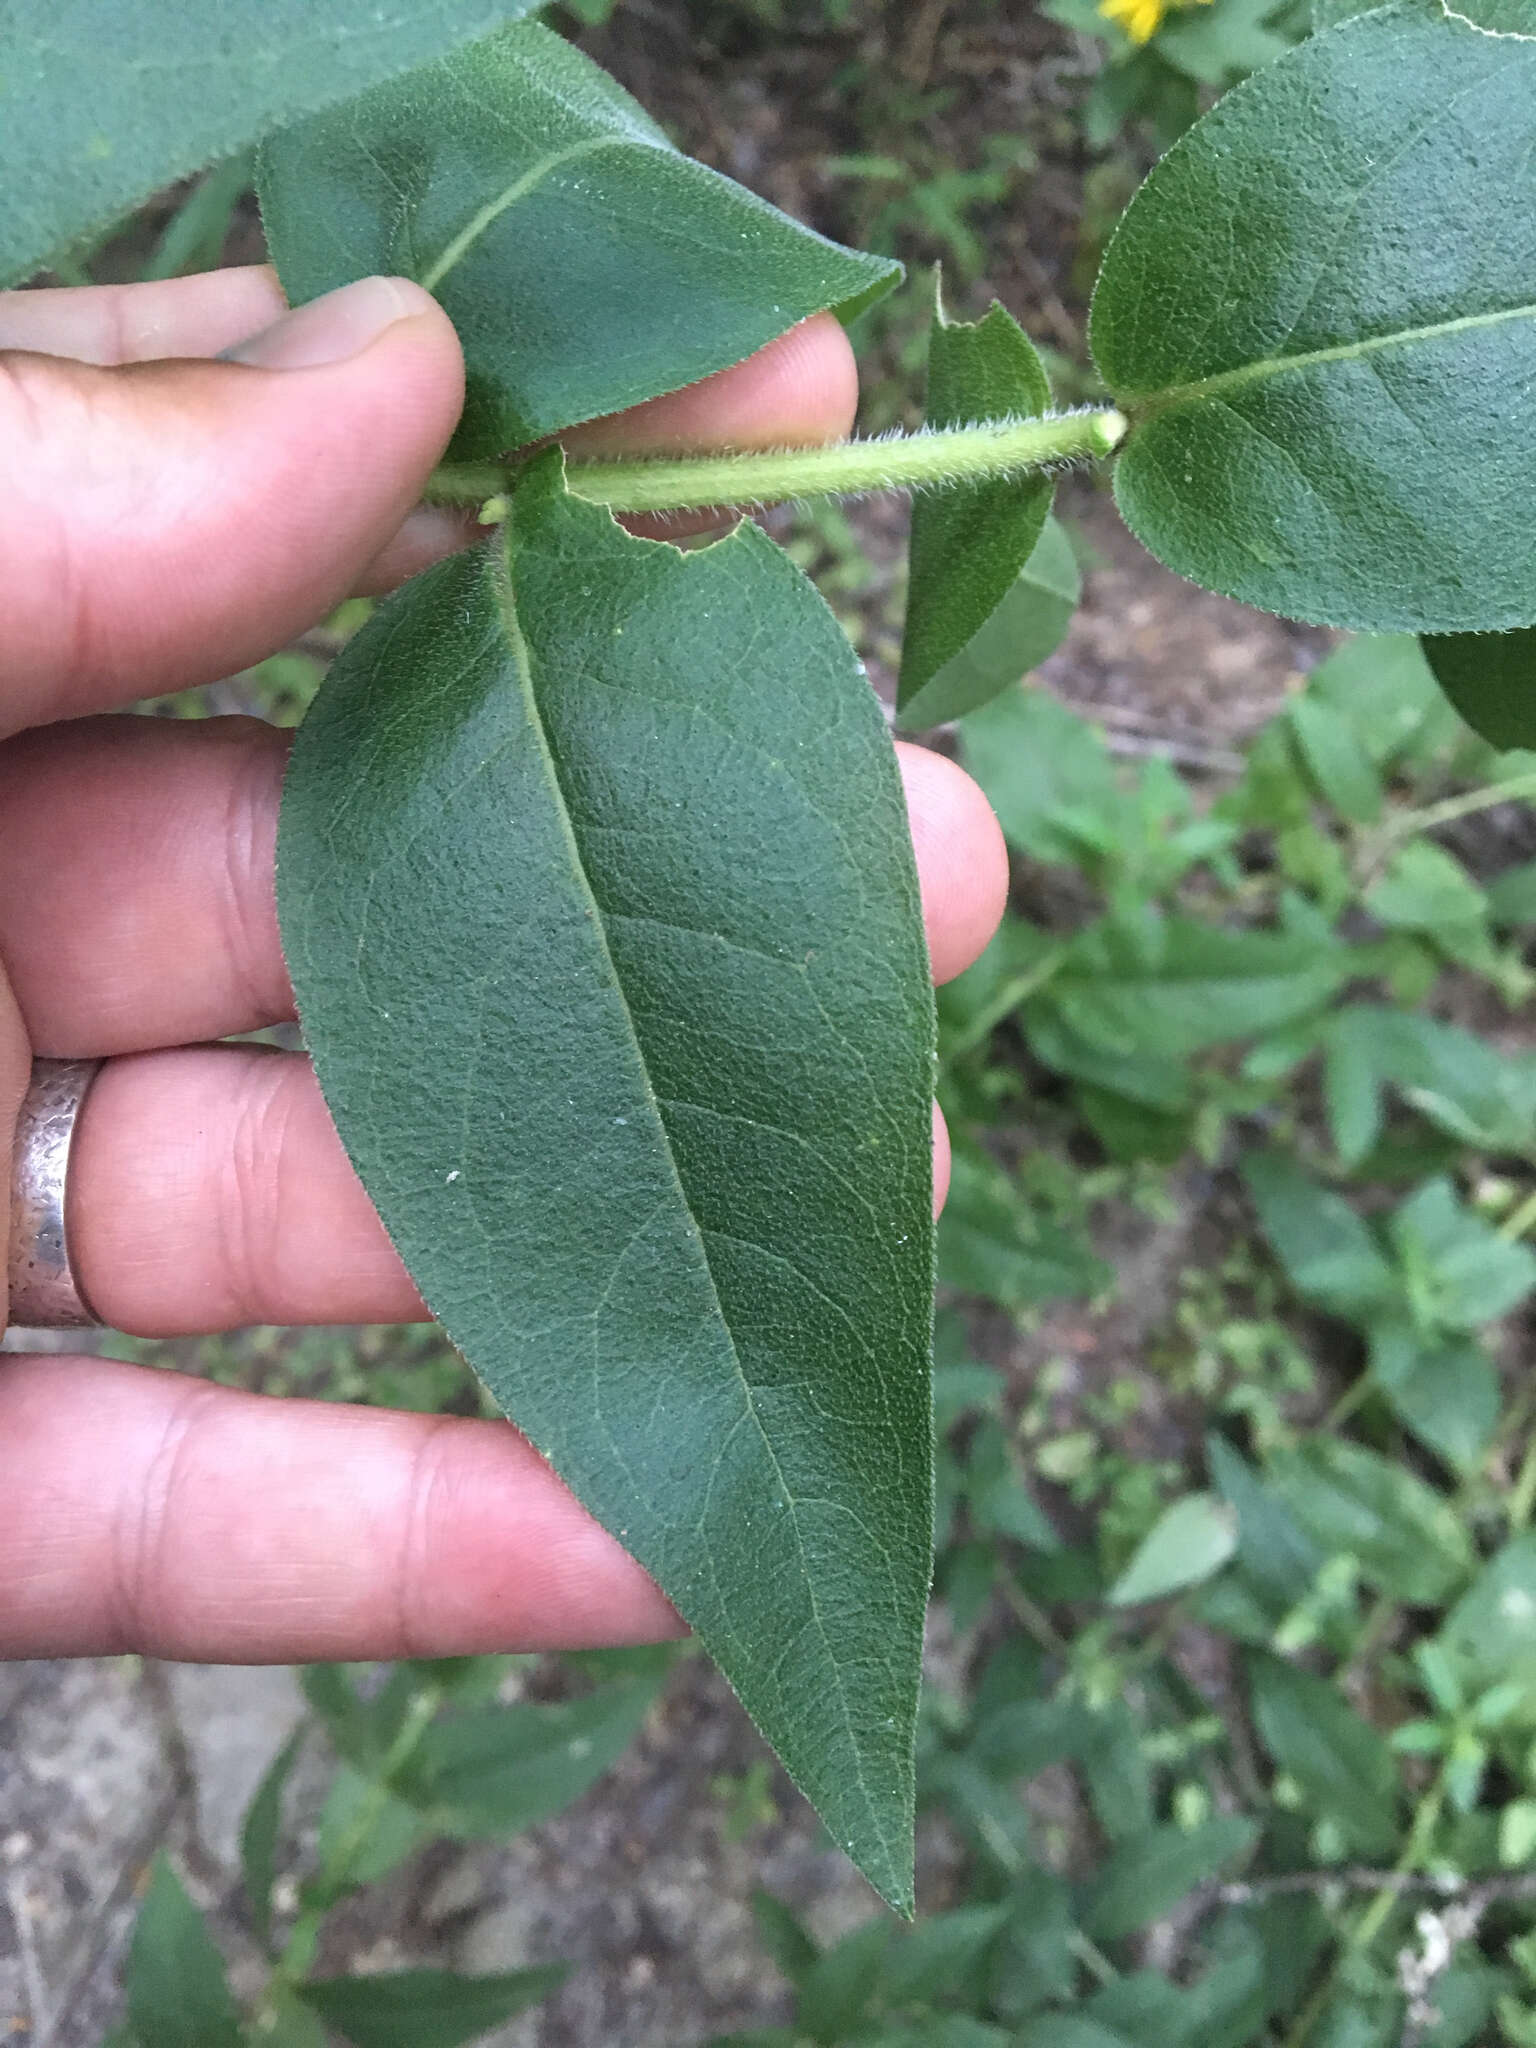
x,y
334,1875
900,462
1426,1819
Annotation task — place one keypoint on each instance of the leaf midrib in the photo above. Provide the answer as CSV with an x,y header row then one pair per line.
x,y
1147,406
506,605
456,250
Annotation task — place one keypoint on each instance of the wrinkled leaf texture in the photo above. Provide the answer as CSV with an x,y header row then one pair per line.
x,y
611,960
104,101
585,262
1324,346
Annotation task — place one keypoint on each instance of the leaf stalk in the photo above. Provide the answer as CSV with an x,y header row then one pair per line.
x,y
926,460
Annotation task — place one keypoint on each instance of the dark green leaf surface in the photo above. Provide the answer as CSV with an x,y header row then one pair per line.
x,y
1324,346
425,2008
1491,680
102,103
177,1994
585,262
597,890
969,543
1027,626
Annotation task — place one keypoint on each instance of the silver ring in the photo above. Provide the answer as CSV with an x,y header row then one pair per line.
x,y
45,1294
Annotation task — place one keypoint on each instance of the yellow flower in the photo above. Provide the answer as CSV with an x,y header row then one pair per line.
x,y
1141,19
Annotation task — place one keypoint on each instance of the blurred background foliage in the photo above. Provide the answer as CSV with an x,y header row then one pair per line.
x,y
1230,1736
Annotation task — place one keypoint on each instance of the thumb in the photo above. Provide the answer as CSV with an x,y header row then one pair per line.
x,y
165,523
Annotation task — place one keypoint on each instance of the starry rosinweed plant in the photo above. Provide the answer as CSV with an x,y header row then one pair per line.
x,y
594,875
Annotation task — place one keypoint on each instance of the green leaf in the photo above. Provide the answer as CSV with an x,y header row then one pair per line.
x,y
1491,680
1445,1390
1041,767
1512,895
1342,1765
1382,684
1319,346
258,1836
585,262
1471,1274
497,1770
1426,889
1329,1253
1187,1544
993,1242
617,992
840,1985
1484,1098
942,1956
782,1935
1337,762
177,1993
1149,1874
1276,1555
394,1832
969,543
1174,986
1028,625
1408,1539
1490,1634
101,106
1067,2030
425,2008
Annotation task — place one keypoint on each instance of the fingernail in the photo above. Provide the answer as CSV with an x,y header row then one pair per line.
x,y
331,329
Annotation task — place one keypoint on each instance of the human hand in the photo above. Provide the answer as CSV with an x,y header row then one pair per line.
x,y
166,519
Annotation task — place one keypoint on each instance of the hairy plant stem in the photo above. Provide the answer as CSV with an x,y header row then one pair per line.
x,y
902,462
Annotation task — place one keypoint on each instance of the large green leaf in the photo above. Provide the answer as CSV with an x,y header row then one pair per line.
x,y
597,890
1491,680
1323,346
101,103
585,262
970,542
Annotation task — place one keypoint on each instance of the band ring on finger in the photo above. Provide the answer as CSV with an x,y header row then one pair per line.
x,y
44,1292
